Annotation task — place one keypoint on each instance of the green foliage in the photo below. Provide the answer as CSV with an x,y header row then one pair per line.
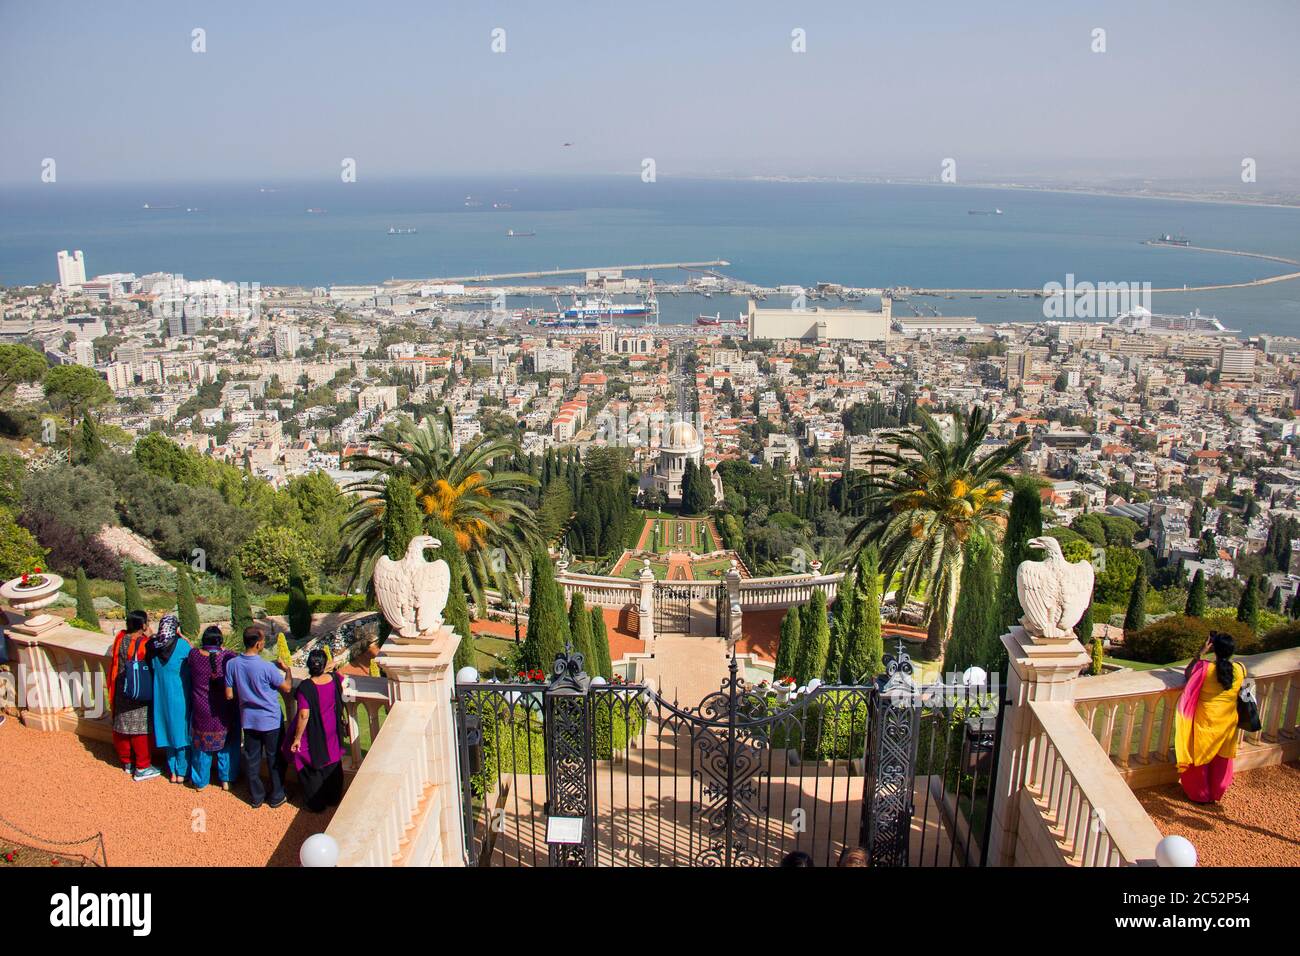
x,y
1086,625
548,625
1280,638
1248,608
241,614
1196,597
864,648
403,519
84,625
616,719
815,644
580,627
318,603
81,498
85,603
1135,617
187,609
1098,656
833,727
20,552
131,598
1178,637
975,624
19,364
787,651
1115,583
1024,523
297,608
271,554
600,645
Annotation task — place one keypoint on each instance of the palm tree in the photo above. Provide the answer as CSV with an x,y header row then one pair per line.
x,y
939,491
833,555
459,489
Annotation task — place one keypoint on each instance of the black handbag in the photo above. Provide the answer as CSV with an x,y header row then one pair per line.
x,y
1248,708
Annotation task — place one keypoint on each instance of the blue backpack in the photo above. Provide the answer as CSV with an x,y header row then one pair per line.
x,y
137,677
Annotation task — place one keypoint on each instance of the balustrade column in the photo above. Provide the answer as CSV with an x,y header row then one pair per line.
x,y
1040,669
646,608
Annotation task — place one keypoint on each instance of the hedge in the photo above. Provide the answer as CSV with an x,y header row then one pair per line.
x,y
319,603
1178,637
1281,638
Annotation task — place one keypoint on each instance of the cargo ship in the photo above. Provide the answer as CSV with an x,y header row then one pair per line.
x,y
592,312
1169,239
511,234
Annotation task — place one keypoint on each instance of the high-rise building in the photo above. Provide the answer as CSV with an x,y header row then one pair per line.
x,y
83,352
1237,364
286,341
72,270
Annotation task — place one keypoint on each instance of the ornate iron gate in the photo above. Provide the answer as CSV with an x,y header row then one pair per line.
x,y
672,609
581,773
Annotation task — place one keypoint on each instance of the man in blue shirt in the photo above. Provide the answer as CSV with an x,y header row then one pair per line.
x,y
258,685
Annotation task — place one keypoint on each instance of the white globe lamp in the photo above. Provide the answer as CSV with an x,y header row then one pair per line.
x,y
319,849
467,675
1175,851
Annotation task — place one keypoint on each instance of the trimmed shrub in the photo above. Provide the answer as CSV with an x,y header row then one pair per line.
x,y
1179,637
318,603
1281,638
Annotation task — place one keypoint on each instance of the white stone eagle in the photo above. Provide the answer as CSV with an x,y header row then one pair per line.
x,y
412,592
1053,592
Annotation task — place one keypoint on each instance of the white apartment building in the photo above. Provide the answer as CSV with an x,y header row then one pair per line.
x,y
72,270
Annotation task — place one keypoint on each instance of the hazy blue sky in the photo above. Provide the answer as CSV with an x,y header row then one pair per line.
x,y
286,89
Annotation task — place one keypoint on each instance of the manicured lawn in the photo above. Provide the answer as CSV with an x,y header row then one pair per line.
x,y
632,570
708,570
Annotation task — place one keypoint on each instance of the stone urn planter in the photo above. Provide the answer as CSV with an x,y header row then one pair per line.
x,y
28,598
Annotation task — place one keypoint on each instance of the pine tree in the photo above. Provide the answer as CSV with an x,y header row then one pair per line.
x,y
186,608
131,598
85,603
1248,609
580,629
1024,522
600,645
974,620
298,609
1135,618
241,614
814,646
1197,599
787,651
548,625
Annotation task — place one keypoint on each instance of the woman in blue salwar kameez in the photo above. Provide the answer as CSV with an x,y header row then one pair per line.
x,y
168,652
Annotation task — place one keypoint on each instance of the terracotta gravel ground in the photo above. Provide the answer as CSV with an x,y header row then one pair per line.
x,y
1256,824
62,787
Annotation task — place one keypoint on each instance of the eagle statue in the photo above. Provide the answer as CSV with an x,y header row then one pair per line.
x,y
413,591
1053,592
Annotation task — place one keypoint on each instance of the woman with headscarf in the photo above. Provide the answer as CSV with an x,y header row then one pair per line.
x,y
168,653
129,688
214,719
1205,724
315,746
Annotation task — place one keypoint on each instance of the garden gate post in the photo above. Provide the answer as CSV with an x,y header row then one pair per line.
x,y
569,763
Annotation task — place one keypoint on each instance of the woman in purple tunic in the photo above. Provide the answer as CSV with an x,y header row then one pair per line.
x,y
315,748
214,721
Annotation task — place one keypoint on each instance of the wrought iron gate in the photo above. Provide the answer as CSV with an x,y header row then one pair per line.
x,y
582,773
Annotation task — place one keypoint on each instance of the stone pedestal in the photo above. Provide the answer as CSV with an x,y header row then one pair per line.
x,y
646,607
1040,669
733,609
420,669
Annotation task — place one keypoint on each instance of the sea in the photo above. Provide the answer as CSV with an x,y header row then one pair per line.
x,y
771,232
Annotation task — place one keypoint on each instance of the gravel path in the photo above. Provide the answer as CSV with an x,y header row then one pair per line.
x,y
1256,824
63,787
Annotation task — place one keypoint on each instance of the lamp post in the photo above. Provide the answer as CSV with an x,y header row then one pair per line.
x,y
514,604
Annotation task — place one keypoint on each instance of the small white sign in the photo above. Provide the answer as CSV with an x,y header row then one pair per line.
x,y
564,829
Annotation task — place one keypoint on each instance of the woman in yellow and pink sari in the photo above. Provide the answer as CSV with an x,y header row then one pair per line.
x,y
1205,728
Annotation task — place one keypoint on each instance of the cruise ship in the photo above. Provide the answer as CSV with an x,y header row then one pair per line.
x,y
1193,323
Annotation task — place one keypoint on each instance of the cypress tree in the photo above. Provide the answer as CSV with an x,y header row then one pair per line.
x,y
1295,605
298,609
814,645
1024,522
1196,596
241,614
580,630
1247,610
974,620
131,598
600,645
548,626
456,613
85,603
186,608
1083,630
1098,657
1135,617
866,657
847,615
787,651
402,517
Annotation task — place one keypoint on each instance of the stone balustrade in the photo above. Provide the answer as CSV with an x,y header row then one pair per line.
x,y
599,590
1131,716
363,697
60,678
1075,807
760,594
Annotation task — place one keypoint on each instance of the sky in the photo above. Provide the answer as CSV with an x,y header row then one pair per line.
x,y
289,89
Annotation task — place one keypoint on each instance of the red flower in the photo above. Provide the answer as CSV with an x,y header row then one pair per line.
x,y
24,577
36,570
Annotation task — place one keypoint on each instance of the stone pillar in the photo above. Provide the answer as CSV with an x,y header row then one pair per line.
x,y
646,609
420,669
1039,669
36,679
733,610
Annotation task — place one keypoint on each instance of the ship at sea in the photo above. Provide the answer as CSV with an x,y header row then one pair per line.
x,y
394,231
983,212
511,234
1169,239
1193,323
593,312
